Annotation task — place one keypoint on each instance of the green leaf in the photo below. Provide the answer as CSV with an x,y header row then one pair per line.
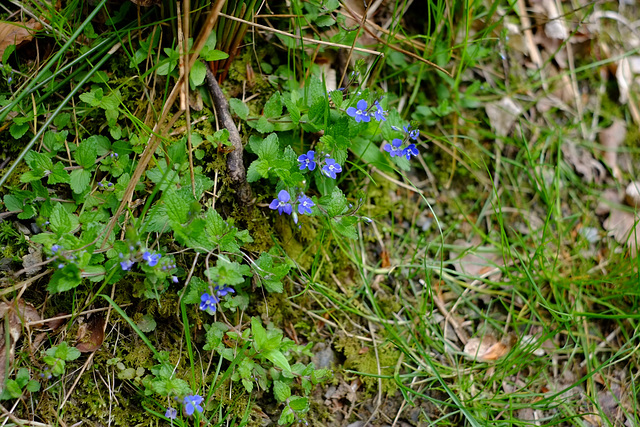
x,y
93,98
257,169
278,359
147,323
317,112
198,73
336,203
299,404
64,279
272,272
259,334
38,161
239,108
227,272
268,149
62,222
13,389
216,55
287,416
273,107
177,205
86,154
336,97
292,108
17,131
347,227
320,375
248,385
325,21
281,391
263,125
58,175
12,203
79,180
33,386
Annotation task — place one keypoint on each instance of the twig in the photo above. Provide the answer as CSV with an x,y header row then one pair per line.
x,y
235,164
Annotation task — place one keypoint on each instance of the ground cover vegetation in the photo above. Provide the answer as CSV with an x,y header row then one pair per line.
x,y
320,212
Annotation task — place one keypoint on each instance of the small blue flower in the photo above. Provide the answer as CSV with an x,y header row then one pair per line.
x,y
307,160
359,112
411,150
394,148
282,203
331,168
379,113
55,248
304,204
192,403
126,264
208,303
413,133
224,290
172,413
152,259
60,266
174,279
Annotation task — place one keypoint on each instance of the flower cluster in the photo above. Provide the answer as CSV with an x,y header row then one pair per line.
x,y
151,259
65,258
208,302
362,112
329,166
397,148
283,204
107,185
192,403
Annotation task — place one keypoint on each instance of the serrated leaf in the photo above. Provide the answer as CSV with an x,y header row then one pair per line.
x,y
239,108
299,404
259,334
177,205
33,386
86,154
325,21
263,125
273,107
281,391
17,131
64,279
58,175
257,169
38,161
61,221
79,180
292,108
278,359
346,226
12,203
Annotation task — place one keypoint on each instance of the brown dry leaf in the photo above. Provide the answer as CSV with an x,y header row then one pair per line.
x,y
475,263
632,194
502,115
16,34
583,162
624,79
622,226
91,334
15,313
485,349
611,138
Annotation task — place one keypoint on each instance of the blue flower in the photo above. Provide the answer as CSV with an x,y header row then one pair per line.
x,y
174,279
282,203
152,259
331,168
192,403
359,112
55,248
411,150
126,264
304,204
307,160
224,290
413,134
172,413
394,148
208,303
379,114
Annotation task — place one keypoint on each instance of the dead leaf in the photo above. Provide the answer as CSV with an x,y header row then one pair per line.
x,y
477,261
624,79
16,34
583,162
15,313
502,115
91,334
611,138
621,225
485,349
632,194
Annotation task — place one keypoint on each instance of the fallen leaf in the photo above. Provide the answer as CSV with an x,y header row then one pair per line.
x,y
14,314
485,349
16,34
91,334
632,194
477,261
611,138
621,225
502,115
583,162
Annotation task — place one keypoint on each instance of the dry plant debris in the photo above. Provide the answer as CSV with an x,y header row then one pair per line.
x,y
17,34
14,314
